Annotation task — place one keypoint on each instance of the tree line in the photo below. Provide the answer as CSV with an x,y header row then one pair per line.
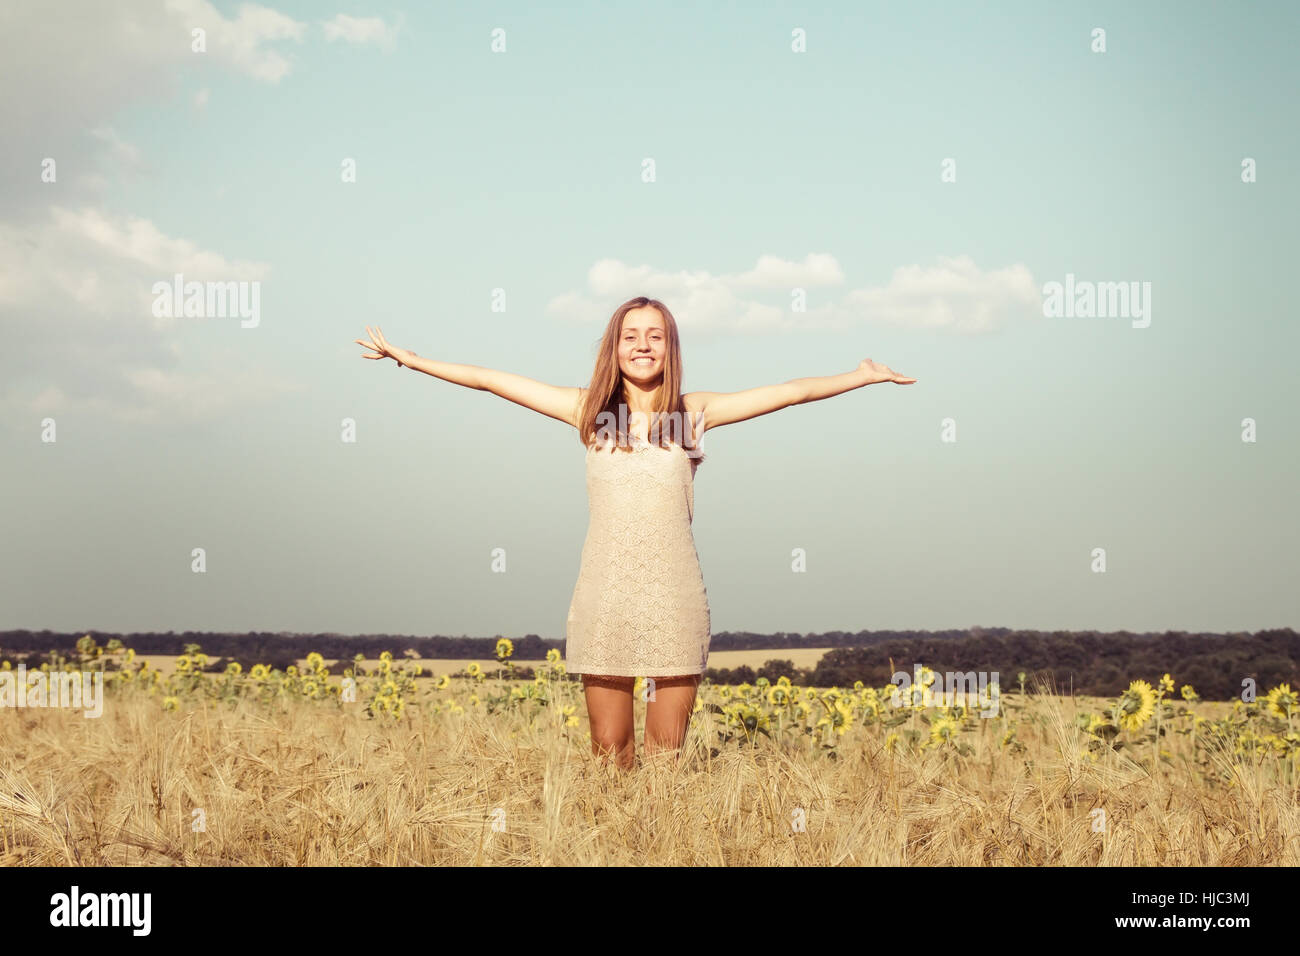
x,y
1087,662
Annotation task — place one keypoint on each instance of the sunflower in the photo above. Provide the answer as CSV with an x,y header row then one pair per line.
x,y
505,647
183,664
919,697
443,682
1166,685
1189,693
570,717
553,656
473,669
1282,701
315,661
750,718
778,696
839,717
259,672
944,729
171,703
234,667
1136,706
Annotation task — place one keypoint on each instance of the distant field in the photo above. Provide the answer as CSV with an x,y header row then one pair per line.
x,y
802,657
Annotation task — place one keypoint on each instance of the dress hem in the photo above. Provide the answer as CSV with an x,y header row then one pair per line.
x,y
678,672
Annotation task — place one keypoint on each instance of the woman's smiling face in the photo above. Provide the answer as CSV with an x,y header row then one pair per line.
x,y
642,345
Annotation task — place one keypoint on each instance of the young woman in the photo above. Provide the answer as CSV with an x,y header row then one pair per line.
x,y
640,608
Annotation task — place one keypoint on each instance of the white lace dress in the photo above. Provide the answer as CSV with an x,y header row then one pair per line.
x,y
640,607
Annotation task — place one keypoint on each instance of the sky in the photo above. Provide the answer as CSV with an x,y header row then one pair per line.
x,y
804,185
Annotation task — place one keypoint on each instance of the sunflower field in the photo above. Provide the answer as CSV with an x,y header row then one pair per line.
x,y
868,774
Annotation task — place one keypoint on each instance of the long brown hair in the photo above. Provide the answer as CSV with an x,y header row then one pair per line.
x,y
605,393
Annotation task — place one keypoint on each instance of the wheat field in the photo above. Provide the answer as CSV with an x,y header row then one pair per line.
x,y
194,769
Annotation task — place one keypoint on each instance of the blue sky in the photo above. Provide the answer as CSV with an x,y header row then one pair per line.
x,y
522,171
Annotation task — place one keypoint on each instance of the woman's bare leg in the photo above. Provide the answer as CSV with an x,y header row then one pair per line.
x,y
668,715
609,708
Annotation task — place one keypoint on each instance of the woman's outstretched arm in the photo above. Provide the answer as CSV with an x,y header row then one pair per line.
x,y
724,408
555,401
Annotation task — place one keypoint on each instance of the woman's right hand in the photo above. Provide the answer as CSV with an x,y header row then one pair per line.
x,y
379,345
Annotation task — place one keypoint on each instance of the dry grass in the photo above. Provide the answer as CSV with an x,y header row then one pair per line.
x,y
308,783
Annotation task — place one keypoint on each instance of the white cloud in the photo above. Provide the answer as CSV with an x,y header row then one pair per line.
x,y
773,272
76,279
147,396
68,68
243,43
954,295
139,241
361,31
79,284
119,149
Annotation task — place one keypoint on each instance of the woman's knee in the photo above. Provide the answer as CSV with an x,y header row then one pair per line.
x,y
612,742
